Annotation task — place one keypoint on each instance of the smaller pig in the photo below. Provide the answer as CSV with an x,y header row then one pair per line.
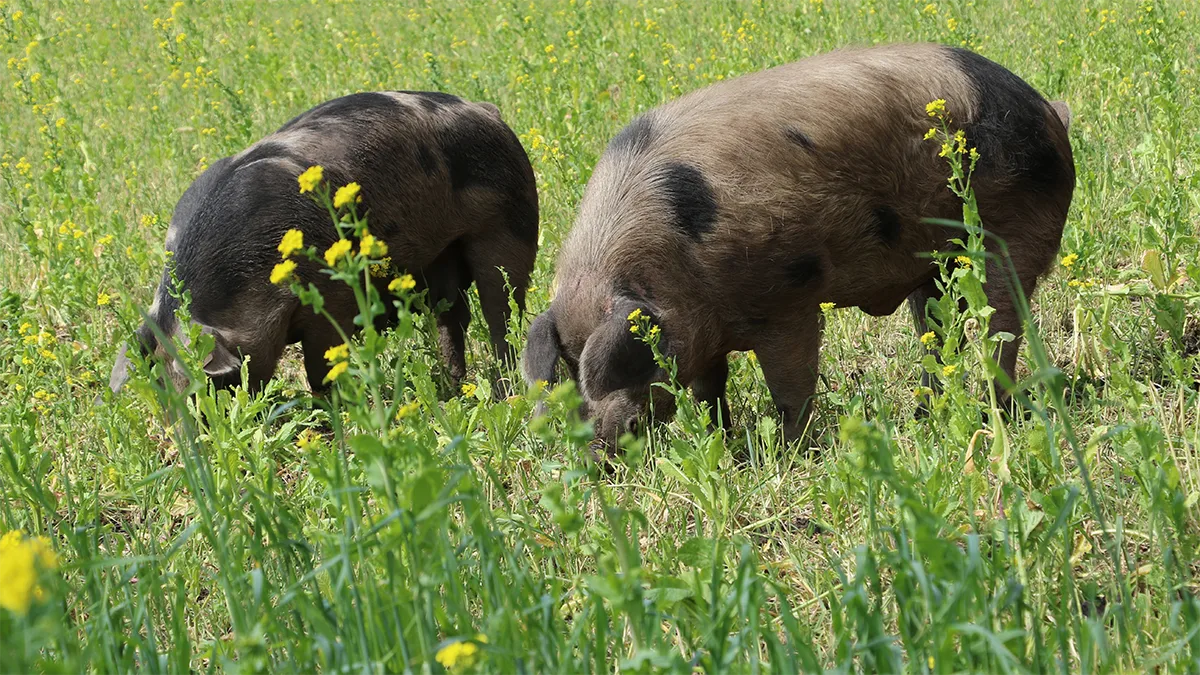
x,y
730,215
444,183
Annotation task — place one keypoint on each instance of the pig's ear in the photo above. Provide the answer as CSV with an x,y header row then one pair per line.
x,y
1063,111
222,362
542,349
121,370
615,357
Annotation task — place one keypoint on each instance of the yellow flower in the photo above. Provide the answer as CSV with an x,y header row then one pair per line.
x,y
372,247
828,306
345,195
21,559
633,328
931,133
407,409
382,268
404,283
1069,260
307,438
102,299
952,24
283,272
60,122
928,338
459,655
549,49
336,371
963,261
936,108
340,248
292,241
338,353
635,314
311,178
949,370
468,389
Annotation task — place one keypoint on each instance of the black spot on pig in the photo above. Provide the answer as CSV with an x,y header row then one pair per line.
x,y
426,160
635,138
473,144
693,204
803,270
1010,131
365,106
800,138
887,224
523,219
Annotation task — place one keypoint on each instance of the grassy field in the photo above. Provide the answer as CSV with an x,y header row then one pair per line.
x,y
411,527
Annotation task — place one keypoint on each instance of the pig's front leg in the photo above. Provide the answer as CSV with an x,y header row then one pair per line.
x,y
315,342
710,388
789,354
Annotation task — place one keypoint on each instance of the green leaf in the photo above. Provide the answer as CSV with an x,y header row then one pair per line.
x,y
1170,315
1152,262
669,591
671,470
366,446
424,489
697,552
972,290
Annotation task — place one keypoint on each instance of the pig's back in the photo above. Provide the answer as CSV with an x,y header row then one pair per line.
x,y
802,176
430,166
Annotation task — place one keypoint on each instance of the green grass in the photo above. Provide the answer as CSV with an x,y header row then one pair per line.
x,y
234,540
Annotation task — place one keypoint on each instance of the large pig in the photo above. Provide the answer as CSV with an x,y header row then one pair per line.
x,y
730,214
444,183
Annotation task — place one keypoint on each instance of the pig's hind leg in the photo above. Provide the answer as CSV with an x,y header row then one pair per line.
x,y
498,261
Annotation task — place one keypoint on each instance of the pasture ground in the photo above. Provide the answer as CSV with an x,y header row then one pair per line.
x,y
435,529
